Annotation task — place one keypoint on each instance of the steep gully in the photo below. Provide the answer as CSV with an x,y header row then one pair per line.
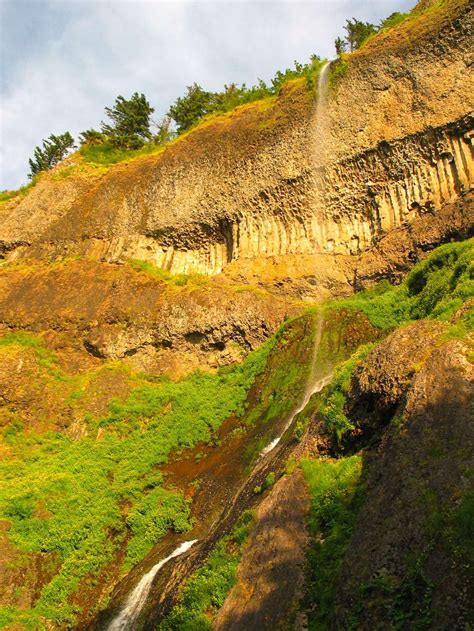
x,y
165,577
140,610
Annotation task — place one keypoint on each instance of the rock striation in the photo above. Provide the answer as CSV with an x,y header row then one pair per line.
x,y
392,142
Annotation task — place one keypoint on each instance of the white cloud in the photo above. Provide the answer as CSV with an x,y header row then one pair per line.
x,y
66,59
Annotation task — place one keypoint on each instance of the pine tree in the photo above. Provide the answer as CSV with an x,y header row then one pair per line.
x,y
91,137
54,149
188,109
340,45
358,32
164,132
130,127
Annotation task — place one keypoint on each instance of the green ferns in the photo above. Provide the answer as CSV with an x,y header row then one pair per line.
x,y
336,494
331,406
435,288
81,500
438,287
78,501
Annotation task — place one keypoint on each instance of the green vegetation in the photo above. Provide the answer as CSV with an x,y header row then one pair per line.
x,y
283,385
194,107
44,356
393,20
337,71
269,480
204,593
407,603
55,149
197,103
336,495
81,500
407,600
463,525
191,107
358,32
436,288
6,195
333,399
188,111
130,128
105,154
179,280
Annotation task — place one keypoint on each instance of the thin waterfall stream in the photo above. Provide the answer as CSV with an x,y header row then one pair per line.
x,y
134,604
321,136
128,618
313,386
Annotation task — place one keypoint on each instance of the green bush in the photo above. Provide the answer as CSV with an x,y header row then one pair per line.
x,y
269,480
464,525
435,288
393,20
80,499
198,103
333,399
179,280
336,494
440,284
106,153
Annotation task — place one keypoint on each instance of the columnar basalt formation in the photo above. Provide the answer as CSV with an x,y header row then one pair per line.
x,y
398,142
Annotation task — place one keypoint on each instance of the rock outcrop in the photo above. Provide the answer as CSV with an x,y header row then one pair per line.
x,y
393,141
407,558
271,574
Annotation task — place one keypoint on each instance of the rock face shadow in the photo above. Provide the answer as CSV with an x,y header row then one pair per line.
x,y
271,574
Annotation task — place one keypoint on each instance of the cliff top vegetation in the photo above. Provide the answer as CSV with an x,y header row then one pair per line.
x,y
132,132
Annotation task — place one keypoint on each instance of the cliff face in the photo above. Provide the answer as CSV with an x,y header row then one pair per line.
x,y
190,258
390,140
407,553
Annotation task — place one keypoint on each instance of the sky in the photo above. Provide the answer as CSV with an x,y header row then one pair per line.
x,y
63,61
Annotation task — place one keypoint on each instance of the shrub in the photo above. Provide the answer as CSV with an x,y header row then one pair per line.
x,y
205,591
393,20
191,107
358,32
91,137
333,399
336,494
93,492
435,288
269,480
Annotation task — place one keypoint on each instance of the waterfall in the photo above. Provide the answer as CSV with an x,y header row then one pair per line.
x,y
127,618
321,136
313,386
316,387
319,155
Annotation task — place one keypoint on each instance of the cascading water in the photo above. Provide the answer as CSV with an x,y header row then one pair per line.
x,y
320,135
319,156
317,387
313,386
127,618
